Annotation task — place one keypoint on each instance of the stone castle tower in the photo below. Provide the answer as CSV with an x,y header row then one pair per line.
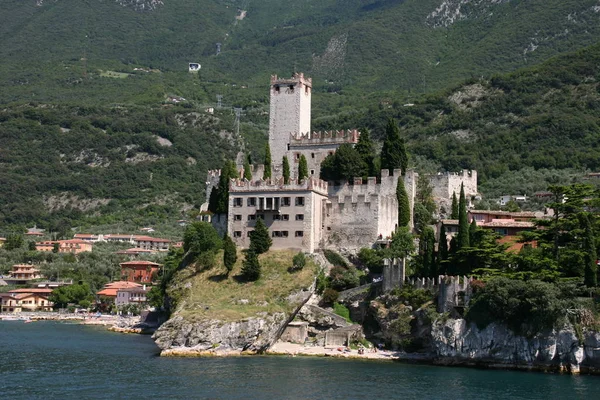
x,y
289,113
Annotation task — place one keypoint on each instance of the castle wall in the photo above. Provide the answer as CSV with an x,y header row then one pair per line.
x,y
444,185
357,214
290,112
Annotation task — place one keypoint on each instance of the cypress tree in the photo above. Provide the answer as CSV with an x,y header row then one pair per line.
x,y
426,245
473,233
454,212
286,170
442,250
393,153
366,148
267,172
229,253
462,239
591,269
302,168
219,196
251,266
260,240
247,170
403,204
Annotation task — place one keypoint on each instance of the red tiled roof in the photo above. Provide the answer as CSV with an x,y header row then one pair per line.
x,y
121,285
139,263
35,290
508,223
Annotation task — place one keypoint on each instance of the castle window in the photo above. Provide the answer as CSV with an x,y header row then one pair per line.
x,y
276,89
269,201
285,217
299,234
305,89
237,202
237,217
286,201
252,217
299,201
312,171
237,234
284,233
312,155
297,156
251,201
299,217
291,87
276,217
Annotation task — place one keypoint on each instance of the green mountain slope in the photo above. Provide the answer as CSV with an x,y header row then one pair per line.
x,y
367,45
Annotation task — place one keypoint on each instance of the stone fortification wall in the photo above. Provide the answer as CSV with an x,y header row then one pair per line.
x,y
445,184
316,147
277,185
357,214
212,180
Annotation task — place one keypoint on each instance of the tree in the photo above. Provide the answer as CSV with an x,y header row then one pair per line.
x,y
473,233
219,197
56,248
260,240
402,244
403,204
200,238
591,269
393,153
462,238
286,170
72,294
302,168
251,266
366,149
13,241
247,170
454,210
31,246
426,251
229,253
345,164
267,172
442,251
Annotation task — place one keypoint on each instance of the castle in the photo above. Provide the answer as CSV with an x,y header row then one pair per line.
x,y
310,214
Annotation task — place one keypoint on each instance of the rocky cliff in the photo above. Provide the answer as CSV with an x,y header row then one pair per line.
x,y
181,337
562,350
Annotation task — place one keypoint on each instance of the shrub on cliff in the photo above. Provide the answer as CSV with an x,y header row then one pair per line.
x,y
260,241
251,267
525,307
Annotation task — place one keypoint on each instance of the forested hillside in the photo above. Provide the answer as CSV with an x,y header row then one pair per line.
x,y
101,121
50,47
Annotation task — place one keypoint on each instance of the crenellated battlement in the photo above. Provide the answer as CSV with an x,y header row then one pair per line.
x,y
363,190
277,185
326,137
295,79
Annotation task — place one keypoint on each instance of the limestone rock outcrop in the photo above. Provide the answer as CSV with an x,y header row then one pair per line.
x,y
456,341
252,335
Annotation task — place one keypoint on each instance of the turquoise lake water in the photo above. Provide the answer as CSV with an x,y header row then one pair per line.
x,y
47,360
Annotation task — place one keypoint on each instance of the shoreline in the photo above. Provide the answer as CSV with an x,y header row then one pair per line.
x,y
111,321
295,350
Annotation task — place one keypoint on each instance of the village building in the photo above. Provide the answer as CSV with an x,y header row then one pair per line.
x,y
21,274
111,289
135,251
138,271
151,243
74,246
136,295
19,300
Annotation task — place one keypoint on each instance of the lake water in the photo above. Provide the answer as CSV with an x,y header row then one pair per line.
x,y
47,360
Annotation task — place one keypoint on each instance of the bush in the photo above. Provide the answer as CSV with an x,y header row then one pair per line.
x,y
299,261
341,278
526,308
251,267
335,259
321,283
413,297
330,296
371,259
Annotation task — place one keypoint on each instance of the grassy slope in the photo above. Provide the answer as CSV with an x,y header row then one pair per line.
x,y
222,296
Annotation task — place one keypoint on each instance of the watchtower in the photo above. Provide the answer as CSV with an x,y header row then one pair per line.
x,y
289,113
